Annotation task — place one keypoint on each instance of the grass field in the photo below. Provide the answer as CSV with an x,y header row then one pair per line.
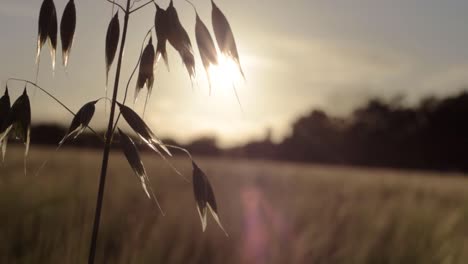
x,y
274,213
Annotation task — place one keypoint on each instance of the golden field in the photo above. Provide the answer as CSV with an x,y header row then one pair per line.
x,y
274,213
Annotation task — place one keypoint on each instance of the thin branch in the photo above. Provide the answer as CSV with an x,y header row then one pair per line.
x,y
131,77
117,4
194,8
140,7
181,149
134,2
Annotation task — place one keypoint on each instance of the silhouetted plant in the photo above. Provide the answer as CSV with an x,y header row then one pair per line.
x,y
15,121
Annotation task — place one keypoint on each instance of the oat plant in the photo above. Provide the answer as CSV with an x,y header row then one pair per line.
x,y
15,119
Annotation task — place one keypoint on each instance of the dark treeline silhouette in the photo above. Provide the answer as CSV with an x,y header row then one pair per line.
x,y
432,135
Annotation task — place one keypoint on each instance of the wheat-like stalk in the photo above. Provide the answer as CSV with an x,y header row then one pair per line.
x,y
15,120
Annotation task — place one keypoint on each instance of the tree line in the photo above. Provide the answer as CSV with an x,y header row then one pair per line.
x,y
431,135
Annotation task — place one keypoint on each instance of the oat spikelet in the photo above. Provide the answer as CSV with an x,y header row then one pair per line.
x,y
67,30
162,27
4,109
81,121
142,130
18,120
206,47
112,42
204,196
146,71
47,29
180,40
224,36
133,157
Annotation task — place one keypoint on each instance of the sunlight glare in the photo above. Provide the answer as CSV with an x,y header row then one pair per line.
x,y
225,74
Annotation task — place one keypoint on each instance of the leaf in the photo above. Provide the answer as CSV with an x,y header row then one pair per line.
x,y
206,46
47,29
133,157
162,28
112,41
180,40
140,127
81,121
67,30
4,109
204,196
146,72
224,36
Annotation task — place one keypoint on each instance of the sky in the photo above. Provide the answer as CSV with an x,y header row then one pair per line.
x,y
297,55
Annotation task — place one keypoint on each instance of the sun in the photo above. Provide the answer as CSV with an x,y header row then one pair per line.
x,y
225,74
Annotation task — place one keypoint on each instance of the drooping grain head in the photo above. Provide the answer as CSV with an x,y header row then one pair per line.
x,y
131,153
4,107
204,196
142,129
81,121
112,42
47,29
18,121
199,188
133,157
162,28
23,119
180,40
146,71
206,46
67,30
224,35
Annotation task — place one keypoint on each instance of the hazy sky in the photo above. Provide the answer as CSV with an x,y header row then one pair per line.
x,y
296,54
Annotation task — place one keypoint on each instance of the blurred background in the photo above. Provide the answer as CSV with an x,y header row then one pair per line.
x,y
348,144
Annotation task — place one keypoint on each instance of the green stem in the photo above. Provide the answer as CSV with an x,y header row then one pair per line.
x,y
105,158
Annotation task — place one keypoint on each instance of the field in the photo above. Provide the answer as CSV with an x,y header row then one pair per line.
x,y
273,212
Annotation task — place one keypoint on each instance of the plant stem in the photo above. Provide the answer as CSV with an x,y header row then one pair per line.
x,y
105,158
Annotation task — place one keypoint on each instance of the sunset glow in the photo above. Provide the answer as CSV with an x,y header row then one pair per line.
x,y
225,74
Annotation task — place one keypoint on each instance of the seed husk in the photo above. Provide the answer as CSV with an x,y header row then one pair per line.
x,y
4,109
112,42
47,29
18,120
204,196
81,121
133,157
162,28
142,129
224,36
180,40
146,72
206,46
67,30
